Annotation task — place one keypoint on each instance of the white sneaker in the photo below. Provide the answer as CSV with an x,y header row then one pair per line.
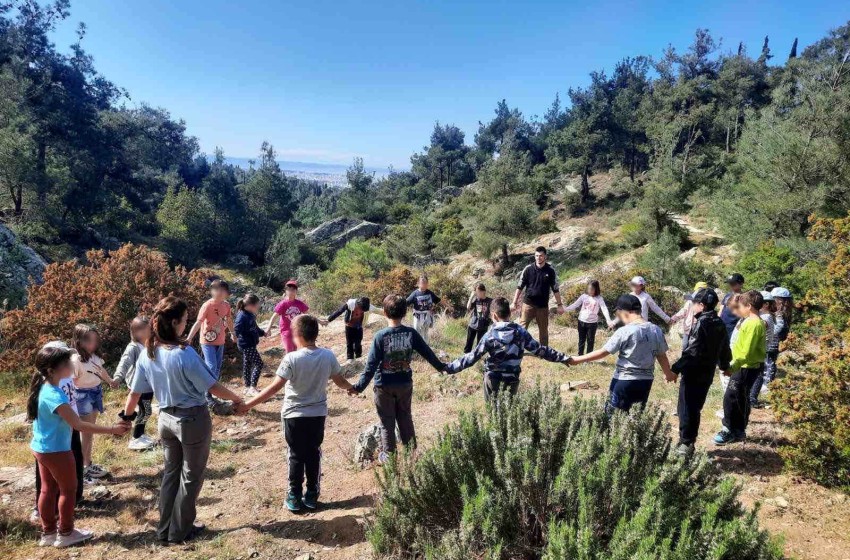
x,y
89,481
47,539
95,471
76,536
141,443
252,392
35,517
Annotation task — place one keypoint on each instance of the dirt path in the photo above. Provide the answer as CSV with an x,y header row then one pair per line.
x,y
242,500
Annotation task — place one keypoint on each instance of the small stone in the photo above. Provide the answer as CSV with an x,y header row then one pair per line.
x,y
781,502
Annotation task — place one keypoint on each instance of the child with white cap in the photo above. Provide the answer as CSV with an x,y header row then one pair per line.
x,y
638,285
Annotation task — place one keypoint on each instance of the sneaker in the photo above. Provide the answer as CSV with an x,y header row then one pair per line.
x,y
757,404
47,539
35,517
76,536
293,502
252,392
89,481
95,471
142,443
725,437
311,499
383,457
684,449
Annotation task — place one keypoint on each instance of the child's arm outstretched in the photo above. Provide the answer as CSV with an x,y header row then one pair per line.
x,y
272,389
271,322
576,304
68,415
665,367
542,352
342,382
589,357
425,351
196,327
337,313
469,359
126,363
373,362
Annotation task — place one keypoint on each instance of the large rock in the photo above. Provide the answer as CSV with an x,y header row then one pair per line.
x,y
337,232
369,443
18,263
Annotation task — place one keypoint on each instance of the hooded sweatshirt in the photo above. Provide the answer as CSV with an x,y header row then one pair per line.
x,y
505,344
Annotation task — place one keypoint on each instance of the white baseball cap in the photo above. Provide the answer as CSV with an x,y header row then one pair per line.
x,y
781,292
767,296
638,281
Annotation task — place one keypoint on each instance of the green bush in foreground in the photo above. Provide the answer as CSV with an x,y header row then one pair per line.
x,y
540,478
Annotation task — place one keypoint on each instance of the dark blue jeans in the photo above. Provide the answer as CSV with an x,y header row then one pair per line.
x,y
736,401
623,393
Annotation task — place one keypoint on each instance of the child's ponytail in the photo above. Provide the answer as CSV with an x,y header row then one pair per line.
x,y
248,299
49,358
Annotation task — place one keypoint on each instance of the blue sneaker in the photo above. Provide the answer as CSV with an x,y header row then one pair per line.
x,y
311,499
293,502
725,437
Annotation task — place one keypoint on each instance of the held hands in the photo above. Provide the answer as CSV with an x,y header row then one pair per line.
x,y
121,428
670,377
560,309
726,373
241,408
323,321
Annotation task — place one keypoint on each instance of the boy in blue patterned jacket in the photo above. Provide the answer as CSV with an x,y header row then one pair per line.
x,y
505,344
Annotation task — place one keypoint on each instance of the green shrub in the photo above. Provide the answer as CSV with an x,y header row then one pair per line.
x,y
634,233
541,478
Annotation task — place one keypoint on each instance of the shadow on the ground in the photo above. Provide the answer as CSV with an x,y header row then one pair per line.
x,y
748,459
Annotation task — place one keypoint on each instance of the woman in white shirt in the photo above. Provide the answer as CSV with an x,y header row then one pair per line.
x,y
591,303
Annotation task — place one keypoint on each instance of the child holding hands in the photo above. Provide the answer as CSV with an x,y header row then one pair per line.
x,y
304,373
53,421
89,376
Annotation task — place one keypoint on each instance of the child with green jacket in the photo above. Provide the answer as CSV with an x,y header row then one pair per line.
x,y
748,354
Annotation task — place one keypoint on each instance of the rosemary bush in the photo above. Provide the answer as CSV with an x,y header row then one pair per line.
x,y
537,477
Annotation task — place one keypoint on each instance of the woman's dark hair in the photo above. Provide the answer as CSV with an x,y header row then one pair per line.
x,y
364,303
395,306
168,311
248,299
48,359
138,324
595,285
81,331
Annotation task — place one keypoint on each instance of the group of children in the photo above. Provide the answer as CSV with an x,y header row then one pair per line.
x,y
66,394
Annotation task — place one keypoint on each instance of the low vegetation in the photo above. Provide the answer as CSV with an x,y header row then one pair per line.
x,y
538,477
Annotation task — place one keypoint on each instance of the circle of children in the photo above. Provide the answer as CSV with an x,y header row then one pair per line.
x,y
159,363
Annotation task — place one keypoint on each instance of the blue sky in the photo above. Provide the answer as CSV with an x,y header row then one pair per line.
x,y
326,81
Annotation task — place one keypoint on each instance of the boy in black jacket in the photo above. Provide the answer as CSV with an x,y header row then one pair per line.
x,y
706,347
356,312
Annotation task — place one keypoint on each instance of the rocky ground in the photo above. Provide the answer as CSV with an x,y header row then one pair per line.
x,y
241,503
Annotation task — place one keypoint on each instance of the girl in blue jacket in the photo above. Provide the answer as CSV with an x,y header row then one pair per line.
x,y
248,335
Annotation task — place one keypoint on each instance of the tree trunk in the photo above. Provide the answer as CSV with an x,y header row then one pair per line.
x,y
505,256
41,170
585,186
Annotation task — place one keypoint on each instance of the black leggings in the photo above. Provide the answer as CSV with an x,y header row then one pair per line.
x,y
252,366
144,410
353,342
473,337
77,450
586,334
